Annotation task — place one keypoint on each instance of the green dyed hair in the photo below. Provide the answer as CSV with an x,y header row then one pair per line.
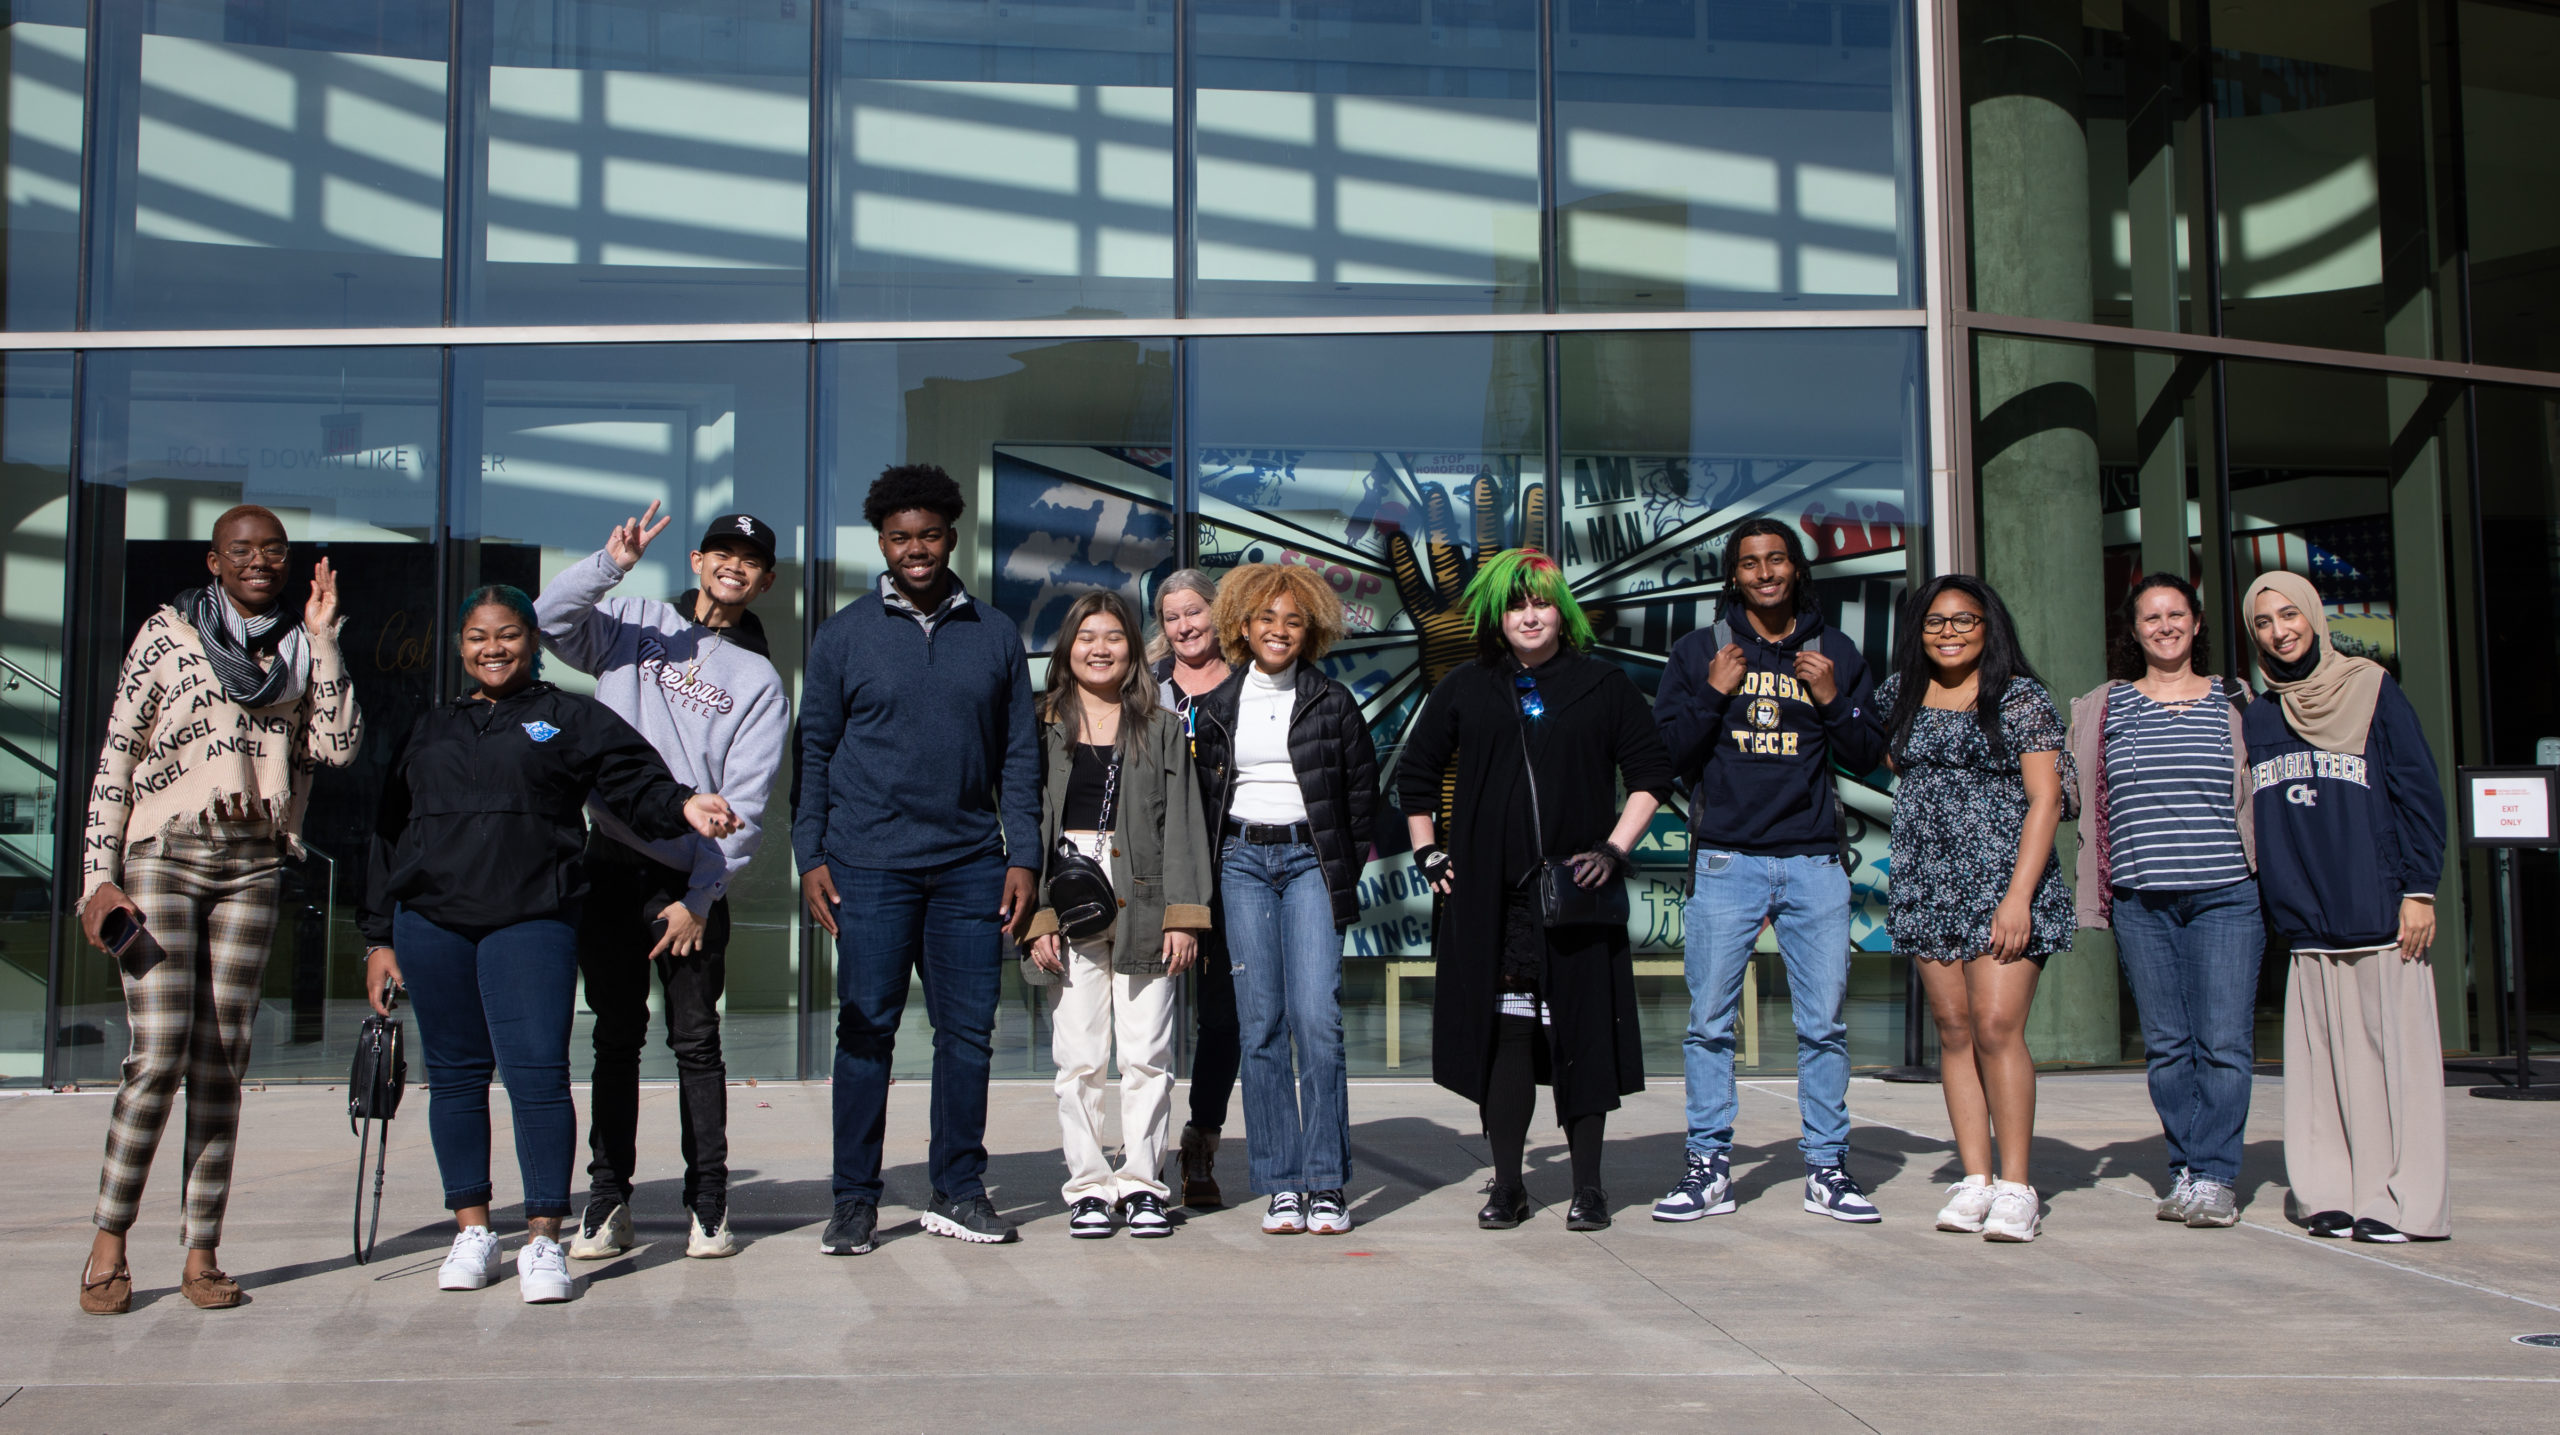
x,y
1502,580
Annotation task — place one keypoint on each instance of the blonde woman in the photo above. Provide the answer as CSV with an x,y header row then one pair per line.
x,y
1117,786
1288,754
1188,666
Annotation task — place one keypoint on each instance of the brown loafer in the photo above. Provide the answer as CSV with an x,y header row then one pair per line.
x,y
211,1290
110,1294
1199,1166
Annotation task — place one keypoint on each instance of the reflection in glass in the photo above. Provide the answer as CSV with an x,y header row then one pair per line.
x,y
1003,161
1734,155
35,485
2510,111
44,48
571,441
342,445
280,166
1063,453
646,161
1367,158
2520,572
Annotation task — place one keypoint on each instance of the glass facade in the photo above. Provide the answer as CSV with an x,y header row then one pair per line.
x,y
1369,285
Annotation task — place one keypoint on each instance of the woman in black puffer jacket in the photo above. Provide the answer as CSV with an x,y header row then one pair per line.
x,y
1296,777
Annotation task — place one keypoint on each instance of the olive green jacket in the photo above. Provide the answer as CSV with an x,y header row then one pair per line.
x,y
1160,852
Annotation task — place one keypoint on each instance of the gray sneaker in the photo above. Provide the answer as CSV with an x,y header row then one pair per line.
x,y
2213,1204
2173,1207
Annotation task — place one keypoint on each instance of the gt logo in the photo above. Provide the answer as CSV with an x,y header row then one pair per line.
x,y
2302,794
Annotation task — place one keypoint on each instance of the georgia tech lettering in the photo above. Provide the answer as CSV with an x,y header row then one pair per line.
x,y
1756,701
2301,769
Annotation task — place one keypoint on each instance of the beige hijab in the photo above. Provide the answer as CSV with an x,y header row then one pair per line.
x,y
2332,709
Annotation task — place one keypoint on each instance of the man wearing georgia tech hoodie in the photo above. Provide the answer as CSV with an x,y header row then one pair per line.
x,y
695,677
1755,710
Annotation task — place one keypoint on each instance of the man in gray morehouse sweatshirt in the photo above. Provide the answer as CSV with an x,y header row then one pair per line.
x,y
695,677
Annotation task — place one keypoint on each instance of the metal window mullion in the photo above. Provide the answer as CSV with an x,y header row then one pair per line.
x,y
1550,277
69,749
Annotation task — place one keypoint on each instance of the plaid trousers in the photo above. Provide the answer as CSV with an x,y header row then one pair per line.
x,y
191,986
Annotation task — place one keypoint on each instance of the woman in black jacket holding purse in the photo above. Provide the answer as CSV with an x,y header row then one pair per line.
x,y
1519,1003
472,902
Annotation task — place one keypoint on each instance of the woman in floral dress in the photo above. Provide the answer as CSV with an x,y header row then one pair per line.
x,y
1979,750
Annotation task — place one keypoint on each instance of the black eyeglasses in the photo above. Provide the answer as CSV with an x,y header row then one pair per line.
x,y
1957,623
1531,705
272,552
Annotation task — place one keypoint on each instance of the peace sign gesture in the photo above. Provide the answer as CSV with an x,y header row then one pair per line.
x,y
632,536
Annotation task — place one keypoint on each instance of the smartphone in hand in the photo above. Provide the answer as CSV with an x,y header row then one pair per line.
x,y
119,930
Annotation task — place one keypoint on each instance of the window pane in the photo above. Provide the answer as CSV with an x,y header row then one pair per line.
x,y
280,166
2510,110
1734,154
646,161
2520,571
1003,160
1339,453
2085,160
571,441
1668,442
1367,156
35,487
47,50
342,445
1063,454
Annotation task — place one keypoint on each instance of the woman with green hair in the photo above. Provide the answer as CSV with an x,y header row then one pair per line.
x,y
1542,732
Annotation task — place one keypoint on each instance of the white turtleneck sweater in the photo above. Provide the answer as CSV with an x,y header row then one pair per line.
x,y
1266,785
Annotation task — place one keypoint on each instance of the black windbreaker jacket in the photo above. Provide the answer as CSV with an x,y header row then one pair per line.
x,y
482,822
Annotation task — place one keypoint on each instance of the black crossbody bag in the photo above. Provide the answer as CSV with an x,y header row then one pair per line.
x,y
374,1085
1563,902
1079,889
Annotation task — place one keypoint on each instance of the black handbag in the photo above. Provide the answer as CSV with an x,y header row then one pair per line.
x,y
1079,888
374,1085
1563,902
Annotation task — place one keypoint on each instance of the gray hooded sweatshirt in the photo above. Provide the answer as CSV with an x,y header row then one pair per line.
x,y
716,712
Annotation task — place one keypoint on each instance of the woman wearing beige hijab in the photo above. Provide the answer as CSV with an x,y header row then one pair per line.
x,y
2351,834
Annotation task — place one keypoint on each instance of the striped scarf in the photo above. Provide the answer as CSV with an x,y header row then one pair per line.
x,y
230,639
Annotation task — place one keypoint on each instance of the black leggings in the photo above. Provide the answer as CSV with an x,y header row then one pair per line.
x,y
1511,1096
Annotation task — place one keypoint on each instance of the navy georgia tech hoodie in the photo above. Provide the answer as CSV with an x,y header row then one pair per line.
x,y
1757,760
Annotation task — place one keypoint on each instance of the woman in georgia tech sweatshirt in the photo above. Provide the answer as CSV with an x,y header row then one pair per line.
x,y
2350,846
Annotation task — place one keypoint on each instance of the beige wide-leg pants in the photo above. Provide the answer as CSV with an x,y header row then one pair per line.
x,y
2364,1090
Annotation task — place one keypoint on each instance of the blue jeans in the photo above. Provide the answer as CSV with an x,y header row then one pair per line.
x,y
497,1001
1809,897
2192,959
1288,970
939,923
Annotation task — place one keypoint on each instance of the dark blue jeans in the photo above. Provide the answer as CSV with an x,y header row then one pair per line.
x,y
939,923
2192,959
495,1001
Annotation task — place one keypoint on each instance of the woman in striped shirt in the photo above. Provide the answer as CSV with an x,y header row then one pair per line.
x,y
2166,857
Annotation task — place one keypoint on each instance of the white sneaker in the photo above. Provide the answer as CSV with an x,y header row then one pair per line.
x,y
542,1269
1968,1201
2173,1207
1286,1216
712,1243
2014,1213
1328,1214
603,1233
472,1263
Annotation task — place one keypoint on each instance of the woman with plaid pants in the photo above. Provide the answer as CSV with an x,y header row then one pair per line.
x,y
224,710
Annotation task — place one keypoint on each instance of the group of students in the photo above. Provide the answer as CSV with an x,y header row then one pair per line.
x,y
1203,799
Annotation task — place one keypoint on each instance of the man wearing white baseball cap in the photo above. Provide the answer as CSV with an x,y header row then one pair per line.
x,y
695,677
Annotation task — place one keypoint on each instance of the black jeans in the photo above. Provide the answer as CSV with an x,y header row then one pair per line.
x,y
626,891
1220,1048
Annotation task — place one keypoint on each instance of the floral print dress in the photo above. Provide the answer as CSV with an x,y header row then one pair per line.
x,y
1959,813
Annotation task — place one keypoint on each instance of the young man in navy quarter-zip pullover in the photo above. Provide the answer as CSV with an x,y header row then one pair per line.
x,y
917,830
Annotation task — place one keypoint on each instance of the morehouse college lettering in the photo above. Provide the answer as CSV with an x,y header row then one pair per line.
x,y
706,698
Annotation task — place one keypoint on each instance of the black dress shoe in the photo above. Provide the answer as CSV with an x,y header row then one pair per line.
x,y
1589,1211
1505,1208
2328,1224
2375,1233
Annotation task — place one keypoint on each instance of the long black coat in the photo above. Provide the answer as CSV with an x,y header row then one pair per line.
x,y
1599,728
1337,769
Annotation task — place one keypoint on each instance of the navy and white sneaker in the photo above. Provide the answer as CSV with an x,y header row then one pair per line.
x,y
1831,1191
1090,1220
1705,1189
1144,1214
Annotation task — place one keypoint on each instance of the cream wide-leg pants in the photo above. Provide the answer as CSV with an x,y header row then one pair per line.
x,y
2364,1121
1095,1004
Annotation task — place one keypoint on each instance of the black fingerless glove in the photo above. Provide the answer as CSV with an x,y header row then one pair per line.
x,y
1617,860
1435,864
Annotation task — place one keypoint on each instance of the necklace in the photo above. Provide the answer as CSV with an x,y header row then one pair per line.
x,y
701,650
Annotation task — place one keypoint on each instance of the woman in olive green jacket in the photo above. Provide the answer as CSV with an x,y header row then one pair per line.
x,y
1117,786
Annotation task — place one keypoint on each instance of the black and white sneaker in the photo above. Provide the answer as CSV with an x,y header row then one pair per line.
x,y
1705,1189
849,1234
1831,1191
967,1218
1144,1215
2371,1232
1328,1214
708,1236
2329,1225
604,1232
1089,1219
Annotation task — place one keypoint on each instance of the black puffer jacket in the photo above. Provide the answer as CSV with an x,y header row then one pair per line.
x,y
1337,769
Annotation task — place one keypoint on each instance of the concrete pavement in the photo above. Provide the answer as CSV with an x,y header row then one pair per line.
x,y
1769,1318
